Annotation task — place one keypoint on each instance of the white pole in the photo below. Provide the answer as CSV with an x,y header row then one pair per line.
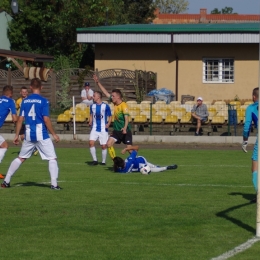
x,y
258,161
74,119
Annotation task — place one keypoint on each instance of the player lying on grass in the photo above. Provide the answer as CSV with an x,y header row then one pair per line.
x,y
134,163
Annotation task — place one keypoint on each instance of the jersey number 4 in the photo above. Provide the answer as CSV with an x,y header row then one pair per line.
x,y
32,112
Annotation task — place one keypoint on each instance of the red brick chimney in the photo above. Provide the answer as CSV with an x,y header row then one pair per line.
x,y
203,13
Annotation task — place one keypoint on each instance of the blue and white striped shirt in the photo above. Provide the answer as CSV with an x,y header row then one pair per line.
x,y
34,108
100,114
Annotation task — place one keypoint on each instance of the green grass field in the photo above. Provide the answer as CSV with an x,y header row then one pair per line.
x,y
199,211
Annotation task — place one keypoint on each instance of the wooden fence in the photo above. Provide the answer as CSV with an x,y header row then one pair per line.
x,y
130,82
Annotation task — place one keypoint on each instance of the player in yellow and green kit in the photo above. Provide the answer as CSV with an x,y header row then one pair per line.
x,y
122,131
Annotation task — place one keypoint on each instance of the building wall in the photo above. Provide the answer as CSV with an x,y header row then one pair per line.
x,y
161,58
4,41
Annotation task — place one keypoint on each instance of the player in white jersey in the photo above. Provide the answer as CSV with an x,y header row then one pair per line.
x,y
100,120
7,105
35,111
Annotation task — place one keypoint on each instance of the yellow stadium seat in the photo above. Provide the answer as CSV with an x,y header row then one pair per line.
x,y
144,106
248,103
67,112
81,106
157,119
171,119
163,113
131,102
174,104
218,120
63,118
134,112
186,118
134,106
159,106
223,113
235,104
212,112
207,103
220,105
79,118
140,119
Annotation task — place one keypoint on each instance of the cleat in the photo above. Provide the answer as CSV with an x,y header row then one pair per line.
x,y
56,188
196,134
5,185
36,152
103,163
2,176
172,167
94,163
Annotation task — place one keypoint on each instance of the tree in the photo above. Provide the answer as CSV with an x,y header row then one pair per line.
x,y
138,12
226,10
172,6
49,26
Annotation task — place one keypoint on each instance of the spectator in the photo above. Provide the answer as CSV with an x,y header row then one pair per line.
x,y
87,94
200,114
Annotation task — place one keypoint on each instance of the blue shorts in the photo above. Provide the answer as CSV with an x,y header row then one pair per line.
x,y
255,152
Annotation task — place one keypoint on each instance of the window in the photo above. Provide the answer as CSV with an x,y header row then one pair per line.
x,y
218,70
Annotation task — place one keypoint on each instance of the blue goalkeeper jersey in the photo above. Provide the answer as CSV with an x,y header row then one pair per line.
x,y
251,116
133,163
7,105
34,108
100,114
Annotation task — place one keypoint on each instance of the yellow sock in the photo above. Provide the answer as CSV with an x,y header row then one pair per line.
x,y
112,152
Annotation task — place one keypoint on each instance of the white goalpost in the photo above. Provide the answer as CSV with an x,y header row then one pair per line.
x,y
74,118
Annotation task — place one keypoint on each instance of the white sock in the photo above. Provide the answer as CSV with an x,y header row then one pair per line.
x,y
93,153
158,169
104,155
2,153
15,164
54,172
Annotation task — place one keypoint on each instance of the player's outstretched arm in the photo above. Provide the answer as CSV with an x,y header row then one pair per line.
x,y
101,86
130,148
48,124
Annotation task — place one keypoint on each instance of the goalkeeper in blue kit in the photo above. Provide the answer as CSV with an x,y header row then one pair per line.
x,y
252,116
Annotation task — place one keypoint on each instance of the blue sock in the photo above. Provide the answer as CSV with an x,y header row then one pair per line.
x,y
254,179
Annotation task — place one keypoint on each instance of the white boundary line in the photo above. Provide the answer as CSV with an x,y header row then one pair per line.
x,y
237,249
148,184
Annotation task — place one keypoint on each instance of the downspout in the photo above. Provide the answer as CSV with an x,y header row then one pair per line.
x,y
176,77
176,71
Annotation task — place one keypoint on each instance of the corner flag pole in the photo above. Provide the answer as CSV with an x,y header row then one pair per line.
x,y
74,119
258,175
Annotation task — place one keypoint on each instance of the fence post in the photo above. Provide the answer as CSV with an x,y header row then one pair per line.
x,y
9,77
151,115
53,89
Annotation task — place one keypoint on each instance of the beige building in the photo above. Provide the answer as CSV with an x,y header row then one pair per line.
x,y
216,61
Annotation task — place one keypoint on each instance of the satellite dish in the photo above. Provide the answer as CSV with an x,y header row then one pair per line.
x,y
14,6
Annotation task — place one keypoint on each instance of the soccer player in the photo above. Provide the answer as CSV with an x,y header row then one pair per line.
x,y
252,116
24,94
35,111
100,120
6,105
134,163
122,131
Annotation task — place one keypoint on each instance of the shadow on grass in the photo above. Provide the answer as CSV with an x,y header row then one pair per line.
x,y
238,222
42,185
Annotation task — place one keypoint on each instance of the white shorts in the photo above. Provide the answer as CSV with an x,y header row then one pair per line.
x,y
45,148
1,139
102,136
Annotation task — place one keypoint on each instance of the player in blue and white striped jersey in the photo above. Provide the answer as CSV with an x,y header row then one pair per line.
x,y
252,116
100,120
35,111
7,105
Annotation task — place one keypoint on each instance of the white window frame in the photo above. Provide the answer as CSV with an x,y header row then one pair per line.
x,y
219,66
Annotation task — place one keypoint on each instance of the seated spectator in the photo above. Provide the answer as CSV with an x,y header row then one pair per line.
x,y
200,114
87,94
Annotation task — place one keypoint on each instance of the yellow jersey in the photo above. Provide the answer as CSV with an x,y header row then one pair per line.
x,y
119,116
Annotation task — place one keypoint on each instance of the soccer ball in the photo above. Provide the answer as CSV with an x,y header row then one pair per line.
x,y
145,169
